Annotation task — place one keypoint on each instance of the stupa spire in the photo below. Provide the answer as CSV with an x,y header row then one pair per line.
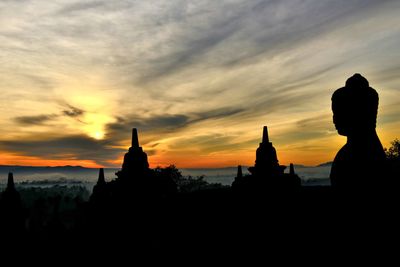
x,y
291,170
265,138
10,181
239,172
135,139
101,179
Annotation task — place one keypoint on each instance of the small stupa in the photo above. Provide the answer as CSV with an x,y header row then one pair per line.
x,y
100,188
10,182
11,209
101,180
266,173
239,174
135,161
267,164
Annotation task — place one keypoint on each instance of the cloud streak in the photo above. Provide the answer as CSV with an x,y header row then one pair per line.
x,y
34,120
44,119
69,147
187,71
73,112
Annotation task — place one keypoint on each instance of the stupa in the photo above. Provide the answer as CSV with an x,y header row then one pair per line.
x,y
266,173
135,161
267,164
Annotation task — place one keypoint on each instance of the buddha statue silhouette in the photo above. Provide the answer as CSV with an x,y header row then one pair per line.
x,y
360,162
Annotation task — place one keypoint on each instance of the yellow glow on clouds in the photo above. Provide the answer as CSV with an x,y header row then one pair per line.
x,y
94,124
116,61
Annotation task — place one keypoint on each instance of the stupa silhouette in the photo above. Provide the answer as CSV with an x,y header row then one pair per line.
x,y
135,160
266,173
135,179
267,164
100,190
10,196
11,209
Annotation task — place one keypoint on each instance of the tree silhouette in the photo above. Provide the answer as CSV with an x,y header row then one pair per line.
x,y
393,152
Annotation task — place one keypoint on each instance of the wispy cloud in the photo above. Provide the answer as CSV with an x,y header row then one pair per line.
x,y
35,120
163,124
191,70
80,7
69,147
73,112
43,119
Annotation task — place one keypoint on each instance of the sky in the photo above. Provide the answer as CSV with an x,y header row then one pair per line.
x,y
199,79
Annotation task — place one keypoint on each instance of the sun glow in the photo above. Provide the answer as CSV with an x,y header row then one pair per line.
x,y
98,135
199,94
95,123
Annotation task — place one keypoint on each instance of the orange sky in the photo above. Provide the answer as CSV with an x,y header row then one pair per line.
x,y
199,80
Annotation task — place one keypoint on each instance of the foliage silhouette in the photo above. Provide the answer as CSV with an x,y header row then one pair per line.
x,y
393,153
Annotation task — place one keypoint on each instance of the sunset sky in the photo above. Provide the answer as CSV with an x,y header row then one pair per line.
x,y
198,79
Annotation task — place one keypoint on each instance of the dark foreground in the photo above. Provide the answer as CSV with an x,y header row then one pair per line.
x,y
310,222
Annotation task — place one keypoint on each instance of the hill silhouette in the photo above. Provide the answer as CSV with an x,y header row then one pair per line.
x,y
329,164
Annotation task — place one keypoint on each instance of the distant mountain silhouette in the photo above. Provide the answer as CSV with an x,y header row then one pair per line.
x,y
50,169
301,166
326,164
41,168
217,168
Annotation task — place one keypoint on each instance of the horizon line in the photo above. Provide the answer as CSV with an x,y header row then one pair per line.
x,y
222,167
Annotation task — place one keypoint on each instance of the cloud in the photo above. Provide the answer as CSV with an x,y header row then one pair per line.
x,y
178,68
311,128
81,7
247,34
40,82
318,121
216,114
35,120
67,147
208,143
73,112
164,124
161,123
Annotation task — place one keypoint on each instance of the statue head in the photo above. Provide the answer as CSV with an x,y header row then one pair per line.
x,y
355,107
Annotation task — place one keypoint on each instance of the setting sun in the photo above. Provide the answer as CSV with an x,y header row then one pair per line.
x,y
98,135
